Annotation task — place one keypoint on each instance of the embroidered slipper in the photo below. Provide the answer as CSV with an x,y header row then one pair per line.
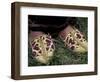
x,y
74,39
42,46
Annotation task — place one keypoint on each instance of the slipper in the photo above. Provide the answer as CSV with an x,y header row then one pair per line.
x,y
74,39
42,46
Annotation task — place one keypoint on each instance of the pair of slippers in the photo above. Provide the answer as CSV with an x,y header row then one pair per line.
x,y
43,46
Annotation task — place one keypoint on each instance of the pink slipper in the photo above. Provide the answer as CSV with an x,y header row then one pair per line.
x,y
74,39
42,46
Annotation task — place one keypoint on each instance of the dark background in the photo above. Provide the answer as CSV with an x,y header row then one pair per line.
x,y
50,24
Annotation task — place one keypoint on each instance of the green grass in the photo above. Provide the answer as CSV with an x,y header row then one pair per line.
x,y
63,55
